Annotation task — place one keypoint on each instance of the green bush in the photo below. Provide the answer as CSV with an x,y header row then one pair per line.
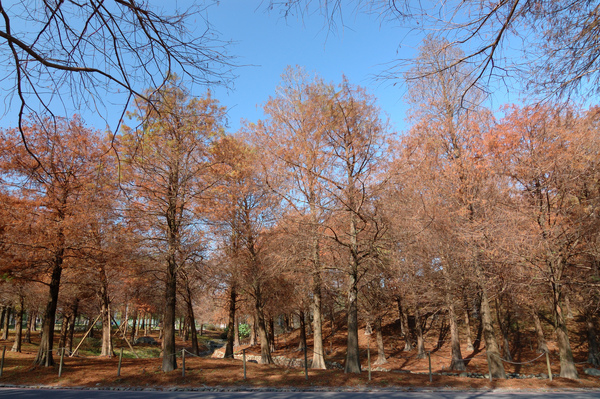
x,y
244,330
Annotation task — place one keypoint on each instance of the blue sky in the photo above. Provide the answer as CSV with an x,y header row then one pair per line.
x,y
266,43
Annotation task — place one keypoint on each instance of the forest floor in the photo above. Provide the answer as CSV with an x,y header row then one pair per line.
x,y
403,370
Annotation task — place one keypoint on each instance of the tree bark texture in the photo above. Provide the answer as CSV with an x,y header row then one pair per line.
x,y
18,325
169,362
236,333
318,360
404,329
421,354
6,324
265,353
542,347
64,329
302,343
44,355
71,332
271,335
491,346
380,346
107,346
30,318
592,337
468,325
231,332
567,364
457,362
352,353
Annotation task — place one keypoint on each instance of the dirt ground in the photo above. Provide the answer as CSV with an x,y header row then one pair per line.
x,y
87,370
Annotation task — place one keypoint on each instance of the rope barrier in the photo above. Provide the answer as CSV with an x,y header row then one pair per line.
x,y
519,363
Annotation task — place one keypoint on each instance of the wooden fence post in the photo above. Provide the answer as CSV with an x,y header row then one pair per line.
x,y
62,357
120,360
2,361
244,361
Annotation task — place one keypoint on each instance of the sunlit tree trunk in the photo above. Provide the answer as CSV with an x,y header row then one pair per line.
x,y
468,325
107,346
491,346
318,360
567,364
18,325
265,354
236,334
380,346
421,354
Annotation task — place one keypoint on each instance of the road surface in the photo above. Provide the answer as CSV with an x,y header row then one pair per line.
x,y
102,394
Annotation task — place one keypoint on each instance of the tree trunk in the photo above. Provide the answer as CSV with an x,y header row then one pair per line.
x,y
352,353
64,326
184,328
380,348
421,354
457,362
236,333
404,329
71,333
192,330
253,331
593,348
169,362
542,347
272,335
318,360
18,325
491,346
6,325
567,364
468,325
107,346
90,327
231,332
2,316
125,320
30,318
133,332
44,355
504,324
302,343
142,322
265,354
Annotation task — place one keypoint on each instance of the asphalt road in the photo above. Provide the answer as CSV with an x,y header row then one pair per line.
x,y
101,394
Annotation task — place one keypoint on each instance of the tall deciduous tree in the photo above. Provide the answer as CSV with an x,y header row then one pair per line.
x,y
538,148
168,161
69,153
356,142
297,159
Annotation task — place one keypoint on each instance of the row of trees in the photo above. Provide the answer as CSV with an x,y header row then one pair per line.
x,y
316,207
